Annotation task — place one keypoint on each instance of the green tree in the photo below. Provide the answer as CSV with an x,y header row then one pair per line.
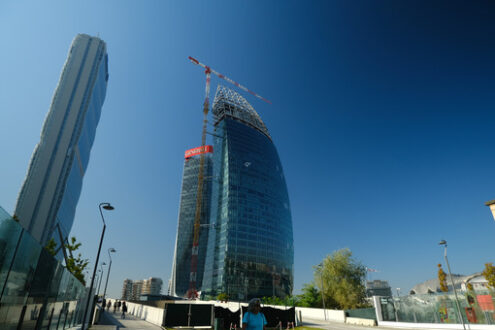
x,y
489,274
310,296
442,279
51,247
223,297
343,279
272,300
76,265
287,301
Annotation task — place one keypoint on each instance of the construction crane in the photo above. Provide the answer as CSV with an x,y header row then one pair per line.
x,y
192,293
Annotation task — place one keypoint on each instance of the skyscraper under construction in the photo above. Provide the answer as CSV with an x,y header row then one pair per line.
x,y
250,250
181,267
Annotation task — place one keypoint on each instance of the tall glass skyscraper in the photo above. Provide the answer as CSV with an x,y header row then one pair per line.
x,y
49,195
250,251
181,267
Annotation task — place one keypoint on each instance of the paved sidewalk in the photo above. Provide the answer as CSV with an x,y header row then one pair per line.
x,y
110,321
329,325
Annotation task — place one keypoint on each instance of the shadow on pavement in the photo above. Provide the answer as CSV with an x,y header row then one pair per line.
x,y
108,318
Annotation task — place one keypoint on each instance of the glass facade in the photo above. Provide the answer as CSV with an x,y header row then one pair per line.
x,y
36,291
476,307
48,198
187,209
250,252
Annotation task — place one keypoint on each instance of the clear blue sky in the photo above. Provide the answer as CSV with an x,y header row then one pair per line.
x,y
383,116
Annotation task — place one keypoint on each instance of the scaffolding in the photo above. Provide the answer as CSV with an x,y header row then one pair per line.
x,y
229,103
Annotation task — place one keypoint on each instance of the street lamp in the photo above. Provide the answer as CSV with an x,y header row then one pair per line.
x,y
108,207
491,205
109,268
444,243
98,276
322,298
101,277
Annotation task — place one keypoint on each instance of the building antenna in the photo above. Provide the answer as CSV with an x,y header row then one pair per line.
x,y
192,293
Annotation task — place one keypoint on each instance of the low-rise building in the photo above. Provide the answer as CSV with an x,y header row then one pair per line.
x,y
133,290
378,288
137,289
152,286
127,289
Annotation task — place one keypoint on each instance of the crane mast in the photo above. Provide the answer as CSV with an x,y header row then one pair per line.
x,y
192,292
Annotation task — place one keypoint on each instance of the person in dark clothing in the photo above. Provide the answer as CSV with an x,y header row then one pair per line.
x,y
124,309
109,305
119,303
104,304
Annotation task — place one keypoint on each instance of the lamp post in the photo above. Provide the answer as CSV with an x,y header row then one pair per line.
x,y
322,298
109,268
491,205
101,277
108,207
97,278
444,243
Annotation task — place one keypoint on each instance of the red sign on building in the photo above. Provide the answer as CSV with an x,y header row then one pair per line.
x,y
198,151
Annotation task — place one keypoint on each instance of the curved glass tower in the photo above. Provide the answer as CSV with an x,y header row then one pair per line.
x,y
250,251
50,192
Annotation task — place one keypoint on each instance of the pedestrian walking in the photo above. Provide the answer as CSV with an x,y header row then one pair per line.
x,y
124,309
118,305
253,319
109,305
104,304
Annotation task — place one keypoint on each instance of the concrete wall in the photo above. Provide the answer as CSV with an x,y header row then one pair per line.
x,y
319,314
150,314
360,321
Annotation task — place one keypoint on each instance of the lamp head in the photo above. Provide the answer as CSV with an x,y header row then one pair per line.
x,y
443,242
104,264
491,205
112,250
108,206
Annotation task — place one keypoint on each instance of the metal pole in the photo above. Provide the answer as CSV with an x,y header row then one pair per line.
x,y
322,298
92,279
101,278
108,275
88,298
453,286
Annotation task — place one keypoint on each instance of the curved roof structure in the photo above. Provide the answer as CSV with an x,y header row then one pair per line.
x,y
229,103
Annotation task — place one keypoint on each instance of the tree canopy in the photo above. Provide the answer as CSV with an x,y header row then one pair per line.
x,y
75,265
489,274
343,279
310,296
442,279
